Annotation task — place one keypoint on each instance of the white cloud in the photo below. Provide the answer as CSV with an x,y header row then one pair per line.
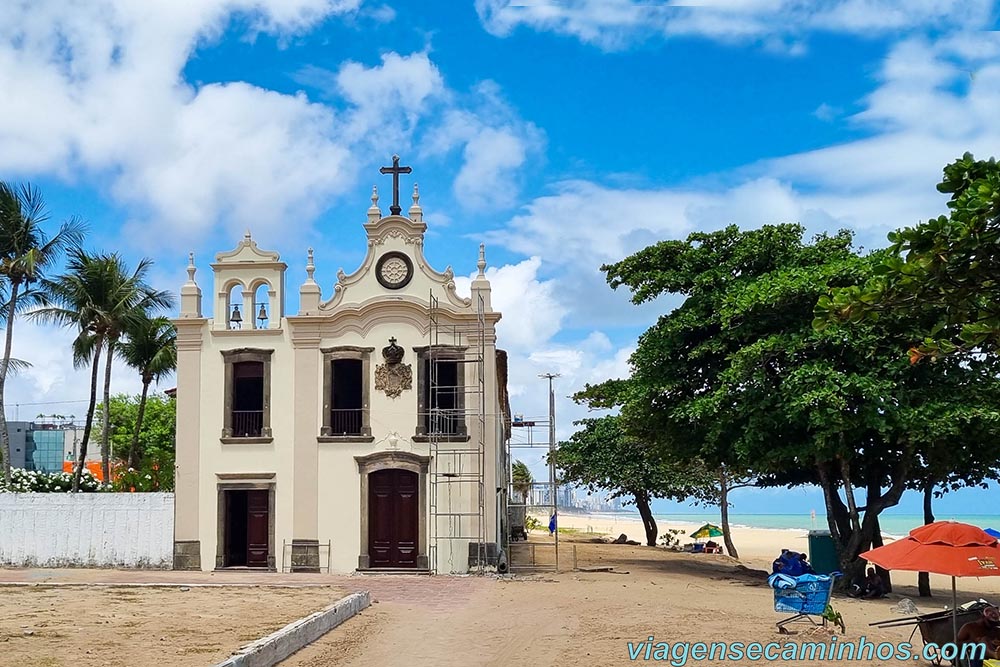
x,y
826,113
387,100
934,101
496,142
617,24
272,159
52,385
97,87
96,92
533,316
531,312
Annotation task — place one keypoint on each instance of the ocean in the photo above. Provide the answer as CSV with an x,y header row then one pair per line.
x,y
896,525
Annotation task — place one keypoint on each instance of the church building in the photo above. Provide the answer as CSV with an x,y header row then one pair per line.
x,y
365,432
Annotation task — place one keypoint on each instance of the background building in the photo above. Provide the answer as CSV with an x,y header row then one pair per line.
x,y
45,444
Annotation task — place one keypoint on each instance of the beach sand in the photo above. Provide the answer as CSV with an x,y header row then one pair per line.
x,y
757,547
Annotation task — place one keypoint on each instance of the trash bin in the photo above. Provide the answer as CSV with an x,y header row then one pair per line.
x,y
823,552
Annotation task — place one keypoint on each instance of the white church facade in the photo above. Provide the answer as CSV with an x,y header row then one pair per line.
x,y
365,432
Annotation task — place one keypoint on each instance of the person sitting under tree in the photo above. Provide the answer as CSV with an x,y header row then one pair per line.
x,y
870,587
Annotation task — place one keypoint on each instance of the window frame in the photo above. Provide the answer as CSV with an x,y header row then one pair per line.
x,y
355,353
230,358
455,353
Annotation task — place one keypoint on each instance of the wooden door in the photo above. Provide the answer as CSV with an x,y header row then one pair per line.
x,y
393,518
258,532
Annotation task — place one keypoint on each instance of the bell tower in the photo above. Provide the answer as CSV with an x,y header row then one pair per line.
x,y
249,288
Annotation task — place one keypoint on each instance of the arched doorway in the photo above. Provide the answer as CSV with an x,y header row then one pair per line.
x,y
393,518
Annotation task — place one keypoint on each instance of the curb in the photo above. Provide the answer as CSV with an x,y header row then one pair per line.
x,y
277,646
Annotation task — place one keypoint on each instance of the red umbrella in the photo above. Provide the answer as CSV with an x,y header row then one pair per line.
x,y
943,547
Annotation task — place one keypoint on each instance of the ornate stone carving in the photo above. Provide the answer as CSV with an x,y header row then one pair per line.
x,y
392,353
393,377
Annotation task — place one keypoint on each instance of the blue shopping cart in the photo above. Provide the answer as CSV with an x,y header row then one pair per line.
x,y
804,596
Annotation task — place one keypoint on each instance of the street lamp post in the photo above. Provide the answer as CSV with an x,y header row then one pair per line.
x,y
552,461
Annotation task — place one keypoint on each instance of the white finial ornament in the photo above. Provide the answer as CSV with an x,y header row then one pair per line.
x,y
310,265
416,213
374,212
247,235
481,264
191,268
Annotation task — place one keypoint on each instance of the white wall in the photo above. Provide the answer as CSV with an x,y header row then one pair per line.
x,y
86,529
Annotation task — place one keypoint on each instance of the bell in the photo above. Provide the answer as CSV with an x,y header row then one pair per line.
x,y
262,316
236,320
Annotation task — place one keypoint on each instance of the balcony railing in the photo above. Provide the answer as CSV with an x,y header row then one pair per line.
x,y
247,423
346,421
443,421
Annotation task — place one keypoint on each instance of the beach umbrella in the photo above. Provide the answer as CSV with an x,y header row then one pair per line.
x,y
991,532
708,530
943,547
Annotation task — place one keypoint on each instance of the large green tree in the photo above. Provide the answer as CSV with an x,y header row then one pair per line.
x,y
603,456
150,347
99,297
26,252
150,461
947,265
737,375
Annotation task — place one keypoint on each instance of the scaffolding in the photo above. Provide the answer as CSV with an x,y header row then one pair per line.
x,y
453,403
525,552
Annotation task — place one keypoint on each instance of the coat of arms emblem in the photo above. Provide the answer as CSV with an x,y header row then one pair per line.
x,y
393,377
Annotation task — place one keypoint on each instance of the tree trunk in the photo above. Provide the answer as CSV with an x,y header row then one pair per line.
x,y
852,505
851,543
133,450
885,574
106,415
8,342
854,568
831,499
648,522
727,536
88,425
923,578
842,521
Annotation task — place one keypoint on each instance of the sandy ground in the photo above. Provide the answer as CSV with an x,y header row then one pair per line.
x,y
60,626
566,617
588,617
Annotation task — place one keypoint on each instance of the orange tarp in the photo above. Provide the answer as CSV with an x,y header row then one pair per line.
x,y
93,466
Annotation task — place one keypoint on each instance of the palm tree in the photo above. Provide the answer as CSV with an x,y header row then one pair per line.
x,y
25,252
150,347
101,298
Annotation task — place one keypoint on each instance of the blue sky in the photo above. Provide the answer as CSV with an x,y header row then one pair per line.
x,y
563,133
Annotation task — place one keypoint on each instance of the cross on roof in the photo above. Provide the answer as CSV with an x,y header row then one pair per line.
x,y
395,170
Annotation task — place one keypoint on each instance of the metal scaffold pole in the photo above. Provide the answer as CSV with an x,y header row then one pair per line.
x,y
454,403
526,551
